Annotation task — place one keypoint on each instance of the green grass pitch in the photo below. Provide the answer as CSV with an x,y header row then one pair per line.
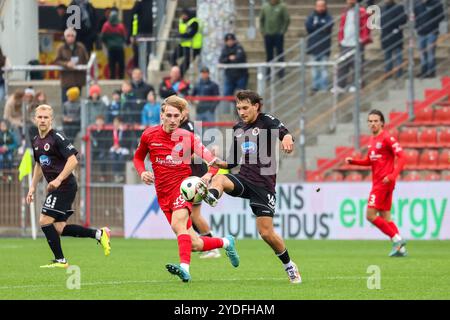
x,y
135,270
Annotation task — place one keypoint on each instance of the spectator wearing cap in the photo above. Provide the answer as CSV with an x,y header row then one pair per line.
x,y
319,26
150,115
189,30
95,105
174,84
206,110
114,108
274,21
429,14
72,113
235,78
8,146
114,36
69,55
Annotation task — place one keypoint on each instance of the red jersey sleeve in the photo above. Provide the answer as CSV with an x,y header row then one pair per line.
x,y
140,154
397,151
201,151
361,162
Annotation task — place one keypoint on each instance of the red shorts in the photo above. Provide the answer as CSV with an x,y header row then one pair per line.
x,y
172,203
380,199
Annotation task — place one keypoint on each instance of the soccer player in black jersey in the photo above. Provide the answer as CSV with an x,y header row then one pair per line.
x,y
255,149
55,158
199,169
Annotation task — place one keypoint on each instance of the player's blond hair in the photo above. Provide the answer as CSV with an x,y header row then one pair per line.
x,y
44,107
176,102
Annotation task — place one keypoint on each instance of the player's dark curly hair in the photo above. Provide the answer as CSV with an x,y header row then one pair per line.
x,y
251,96
378,113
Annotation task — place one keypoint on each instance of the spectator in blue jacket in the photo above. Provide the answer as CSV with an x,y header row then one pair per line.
x,y
429,14
206,110
8,146
114,108
393,17
150,115
319,26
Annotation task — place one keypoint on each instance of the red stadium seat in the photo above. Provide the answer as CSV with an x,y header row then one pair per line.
x,y
412,176
354,177
432,176
429,160
444,160
408,137
428,138
314,177
334,176
412,158
442,116
444,137
424,116
446,175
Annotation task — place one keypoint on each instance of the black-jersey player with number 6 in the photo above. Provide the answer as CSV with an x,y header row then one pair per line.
x,y
55,158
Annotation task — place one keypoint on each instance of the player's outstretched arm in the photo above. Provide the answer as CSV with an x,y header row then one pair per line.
x,y
37,175
71,164
363,162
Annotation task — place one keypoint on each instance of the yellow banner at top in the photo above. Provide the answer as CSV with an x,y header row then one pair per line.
x,y
100,4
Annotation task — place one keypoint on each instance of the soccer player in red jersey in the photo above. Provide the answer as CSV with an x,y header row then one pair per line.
x,y
382,150
170,149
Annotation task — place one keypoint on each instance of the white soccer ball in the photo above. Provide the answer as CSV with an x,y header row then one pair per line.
x,y
188,190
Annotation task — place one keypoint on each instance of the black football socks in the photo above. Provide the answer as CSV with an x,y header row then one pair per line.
x,y
74,230
53,240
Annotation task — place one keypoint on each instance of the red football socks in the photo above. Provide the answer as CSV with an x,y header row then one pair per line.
x,y
384,226
211,243
184,248
394,227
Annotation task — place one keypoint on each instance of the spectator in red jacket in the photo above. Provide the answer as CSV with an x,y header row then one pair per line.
x,y
114,35
174,84
348,41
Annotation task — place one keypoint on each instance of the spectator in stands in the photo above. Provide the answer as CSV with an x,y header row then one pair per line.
x,y
4,62
348,40
150,115
72,113
114,36
319,26
233,52
61,11
120,150
129,112
274,21
189,30
429,14
140,87
393,17
114,108
87,33
206,87
100,141
174,84
105,17
8,146
95,105
13,113
70,54
141,25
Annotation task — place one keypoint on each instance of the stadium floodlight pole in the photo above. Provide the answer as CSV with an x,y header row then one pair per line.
x,y
142,49
302,140
357,79
411,93
251,32
260,82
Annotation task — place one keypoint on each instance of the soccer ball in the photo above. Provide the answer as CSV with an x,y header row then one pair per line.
x,y
188,190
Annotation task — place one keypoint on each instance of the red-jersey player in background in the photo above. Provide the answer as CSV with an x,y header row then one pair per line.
x,y
170,149
381,153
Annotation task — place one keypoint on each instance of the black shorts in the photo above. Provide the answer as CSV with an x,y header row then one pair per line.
x,y
58,204
262,201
